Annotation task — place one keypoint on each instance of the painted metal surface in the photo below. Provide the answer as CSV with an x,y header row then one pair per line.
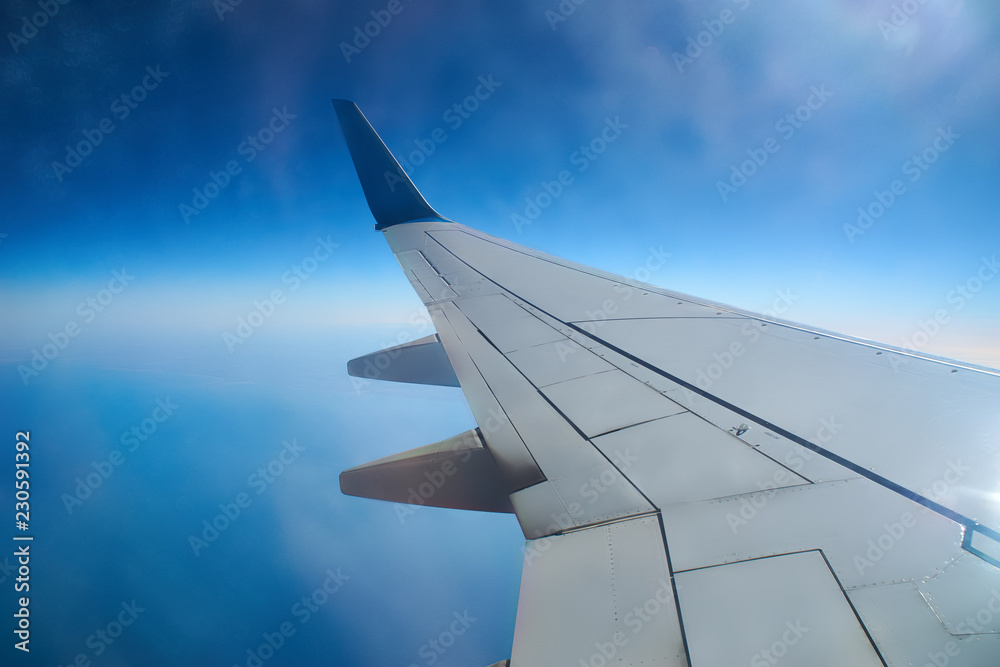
x,y
608,401
458,473
792,380
391,195
957,596
421,361
492,309
785,610
796,472
421,273
716,488
908,633
618,574
520,335
884,416
512,457
559,452
870,535
683,459
558,361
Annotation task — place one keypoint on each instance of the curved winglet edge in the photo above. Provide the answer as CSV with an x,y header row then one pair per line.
x,y
391,195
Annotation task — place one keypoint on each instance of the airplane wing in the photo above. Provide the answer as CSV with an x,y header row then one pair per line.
x,y
697,484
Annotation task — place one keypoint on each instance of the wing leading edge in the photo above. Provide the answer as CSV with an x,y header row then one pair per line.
x,y
817,496
391,195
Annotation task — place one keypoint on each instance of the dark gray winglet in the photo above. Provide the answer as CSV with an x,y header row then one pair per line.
x,y
391,195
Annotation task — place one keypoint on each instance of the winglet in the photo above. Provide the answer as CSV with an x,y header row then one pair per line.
x,y
391,195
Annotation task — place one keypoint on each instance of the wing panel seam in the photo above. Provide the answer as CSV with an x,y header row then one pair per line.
x,y
571,424
968,523
723,307
493,394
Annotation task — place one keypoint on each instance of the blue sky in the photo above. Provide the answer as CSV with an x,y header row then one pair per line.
x,y
891,89
740,138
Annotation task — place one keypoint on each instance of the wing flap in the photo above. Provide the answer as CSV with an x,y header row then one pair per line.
x,y
908,632
618,573
787,608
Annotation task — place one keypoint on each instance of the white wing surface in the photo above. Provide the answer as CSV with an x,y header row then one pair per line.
x,y
698,485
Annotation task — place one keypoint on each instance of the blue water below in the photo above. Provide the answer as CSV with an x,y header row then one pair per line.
x,y
398,580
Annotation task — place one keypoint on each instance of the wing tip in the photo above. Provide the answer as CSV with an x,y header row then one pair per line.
x,y
392,196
